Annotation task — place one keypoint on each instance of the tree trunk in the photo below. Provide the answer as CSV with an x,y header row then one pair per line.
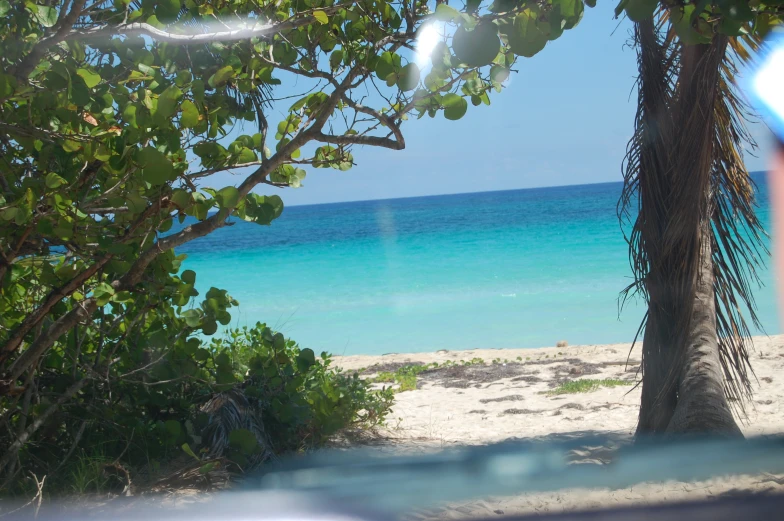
x,y
702,407
683,382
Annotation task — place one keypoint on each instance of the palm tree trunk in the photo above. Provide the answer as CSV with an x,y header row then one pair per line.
x,y
682,387
702,407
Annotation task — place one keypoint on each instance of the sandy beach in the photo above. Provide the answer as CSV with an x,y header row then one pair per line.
x,y
512,394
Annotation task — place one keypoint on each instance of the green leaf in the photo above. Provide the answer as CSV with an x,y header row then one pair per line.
x,y
228,197
129,115
166,11
620,7
78,93
386,65
209,467
4,7
306,359
70,145
156,167
167,104
187,449
174,428
9,214
190,114
455,106
498,73
478,47
446,13
262,209
54,181
682,23
91,79
244,440
209,327
103,293
640,10
8,86
221,77
572,11
247,156
524,37
335,59
321,17
46,16
188,277
408,78
223,359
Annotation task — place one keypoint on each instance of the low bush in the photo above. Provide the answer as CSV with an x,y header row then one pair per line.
x,y
244,395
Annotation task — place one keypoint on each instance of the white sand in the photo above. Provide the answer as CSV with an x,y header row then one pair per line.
x,y
483,404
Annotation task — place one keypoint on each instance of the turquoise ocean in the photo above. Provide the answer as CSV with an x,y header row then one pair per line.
x,y
508,269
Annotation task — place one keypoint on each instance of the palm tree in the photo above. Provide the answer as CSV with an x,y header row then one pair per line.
x,y
695,244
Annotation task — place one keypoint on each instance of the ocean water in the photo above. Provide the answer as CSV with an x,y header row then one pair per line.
x,y
519,268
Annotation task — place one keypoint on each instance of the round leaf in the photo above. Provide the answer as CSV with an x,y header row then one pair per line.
x,y
478,47
223,75
156,168
91,79
167,10
190,114
46,16
455,106
408,78
228,197
321,17
174,428
640,10
446,13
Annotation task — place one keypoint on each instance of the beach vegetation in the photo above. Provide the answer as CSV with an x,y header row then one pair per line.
x,y
406,377
117,121
247,395
586,386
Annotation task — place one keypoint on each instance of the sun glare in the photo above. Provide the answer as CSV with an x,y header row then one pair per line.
x,y
428,37
768,83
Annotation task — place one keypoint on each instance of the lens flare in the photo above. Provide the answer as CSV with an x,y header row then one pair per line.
x,y
427,39
769,87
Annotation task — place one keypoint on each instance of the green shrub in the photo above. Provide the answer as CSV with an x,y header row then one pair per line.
x,y
302,399
259,393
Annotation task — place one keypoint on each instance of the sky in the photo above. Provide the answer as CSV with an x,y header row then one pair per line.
x,y
564,119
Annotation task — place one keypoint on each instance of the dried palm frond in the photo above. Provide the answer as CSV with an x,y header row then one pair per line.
x,y
672,156
646,198
739,247
229,411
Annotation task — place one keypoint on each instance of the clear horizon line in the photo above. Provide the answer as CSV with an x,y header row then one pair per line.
x,y
467,193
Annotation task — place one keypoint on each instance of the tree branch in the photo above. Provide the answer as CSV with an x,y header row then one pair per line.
x,y
355,139
64,24
142,29
210,171
22,439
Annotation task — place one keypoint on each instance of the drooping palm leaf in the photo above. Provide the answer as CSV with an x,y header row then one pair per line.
x,y
664,167
738,236
645,198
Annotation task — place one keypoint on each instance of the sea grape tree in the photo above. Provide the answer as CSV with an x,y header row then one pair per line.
x,y
117,115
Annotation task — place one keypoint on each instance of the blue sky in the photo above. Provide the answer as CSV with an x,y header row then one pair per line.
x,y
564,119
